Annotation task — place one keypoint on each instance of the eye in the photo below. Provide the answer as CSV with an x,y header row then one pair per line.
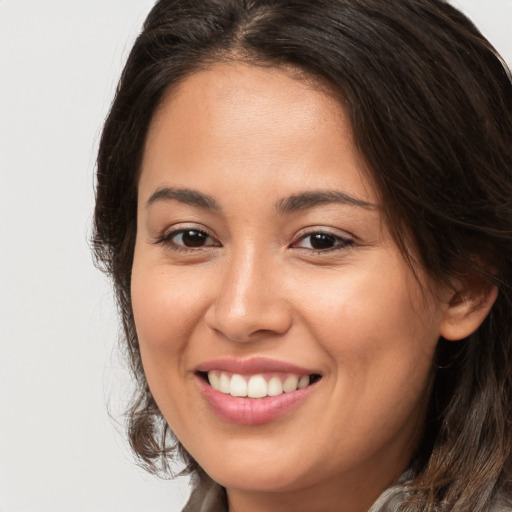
x,y
321,241
182,239
191,238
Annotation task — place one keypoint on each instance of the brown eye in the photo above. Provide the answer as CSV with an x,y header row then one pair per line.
x,y
320,241
193,238
189,238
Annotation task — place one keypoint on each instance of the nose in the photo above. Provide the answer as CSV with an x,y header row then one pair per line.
x,y
249,302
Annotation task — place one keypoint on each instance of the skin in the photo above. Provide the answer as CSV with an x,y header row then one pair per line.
x,y
249,138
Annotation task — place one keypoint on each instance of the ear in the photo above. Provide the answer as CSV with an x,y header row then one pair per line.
x,y
469,304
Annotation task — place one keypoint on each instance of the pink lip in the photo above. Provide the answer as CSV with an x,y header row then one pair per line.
x,y
252,411
253,366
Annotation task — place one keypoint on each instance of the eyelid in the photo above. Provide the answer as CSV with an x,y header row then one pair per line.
x,y
345,240
166,236
311,230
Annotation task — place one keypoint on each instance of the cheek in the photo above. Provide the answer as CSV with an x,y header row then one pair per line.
x,y
368,310
380,333
165,306
166,309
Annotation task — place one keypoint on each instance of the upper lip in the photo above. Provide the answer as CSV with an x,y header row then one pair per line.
x,y
252,366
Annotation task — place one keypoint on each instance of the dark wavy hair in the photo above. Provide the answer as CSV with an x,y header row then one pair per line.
x,y
430,103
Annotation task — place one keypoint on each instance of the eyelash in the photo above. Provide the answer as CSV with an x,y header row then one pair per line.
x,y
166,240
339,243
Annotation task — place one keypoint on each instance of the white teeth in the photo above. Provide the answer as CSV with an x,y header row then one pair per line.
x,y
290,384
214,380
275,386
238,386
303,382
255,386
224,382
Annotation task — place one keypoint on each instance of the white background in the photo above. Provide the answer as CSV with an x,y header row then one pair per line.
x,y
59,450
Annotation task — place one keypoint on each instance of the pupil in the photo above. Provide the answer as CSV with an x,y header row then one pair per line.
x,y
322,241
193,238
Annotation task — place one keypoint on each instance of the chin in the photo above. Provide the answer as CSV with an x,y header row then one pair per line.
x,y
257,478
259,468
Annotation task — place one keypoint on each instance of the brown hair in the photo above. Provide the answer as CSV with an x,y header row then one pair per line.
x,y
431,108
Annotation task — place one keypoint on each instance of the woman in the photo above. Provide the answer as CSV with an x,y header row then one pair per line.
x,y
306,210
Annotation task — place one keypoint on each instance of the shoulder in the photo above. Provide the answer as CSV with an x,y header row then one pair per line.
x,y
393,499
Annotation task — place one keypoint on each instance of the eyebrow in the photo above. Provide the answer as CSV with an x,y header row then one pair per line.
x,y
295,202
184,195
310,199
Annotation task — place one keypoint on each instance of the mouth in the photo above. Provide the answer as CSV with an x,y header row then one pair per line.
x,y
255,391
259,385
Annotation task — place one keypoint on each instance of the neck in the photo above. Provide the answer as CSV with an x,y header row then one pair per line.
x,y
345,493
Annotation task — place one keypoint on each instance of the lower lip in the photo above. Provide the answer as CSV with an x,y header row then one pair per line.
x,y
252,411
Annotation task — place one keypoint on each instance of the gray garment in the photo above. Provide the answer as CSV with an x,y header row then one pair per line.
x,y
391,499
208,496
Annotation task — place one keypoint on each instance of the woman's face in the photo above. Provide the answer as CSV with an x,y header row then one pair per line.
x,y
262,262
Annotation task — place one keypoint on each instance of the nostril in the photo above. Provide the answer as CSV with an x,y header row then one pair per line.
x,y
246,313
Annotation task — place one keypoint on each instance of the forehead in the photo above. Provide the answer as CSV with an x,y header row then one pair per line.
x,y
250,118
252,91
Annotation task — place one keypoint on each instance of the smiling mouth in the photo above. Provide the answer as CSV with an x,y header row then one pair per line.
x,y
259,385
